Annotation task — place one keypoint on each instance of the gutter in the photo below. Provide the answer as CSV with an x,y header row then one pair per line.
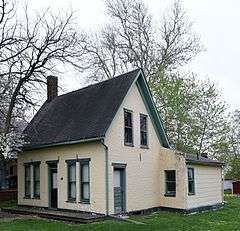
x,y
33,147
106,176
199,162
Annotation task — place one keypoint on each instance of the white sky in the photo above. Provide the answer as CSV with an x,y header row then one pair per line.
x,y
216,21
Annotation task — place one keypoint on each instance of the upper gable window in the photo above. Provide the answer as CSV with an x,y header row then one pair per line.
x,y
143,131
128,128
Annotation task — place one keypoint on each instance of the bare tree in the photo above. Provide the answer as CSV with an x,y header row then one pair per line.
x,y
130,40
178,45
34,49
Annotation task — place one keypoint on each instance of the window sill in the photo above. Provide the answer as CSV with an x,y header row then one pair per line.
x,y
27,197
169,195
144,147
191,194
36,198
128,144
71,201
84,202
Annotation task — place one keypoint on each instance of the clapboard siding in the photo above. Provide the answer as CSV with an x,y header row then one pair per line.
x,y
208,186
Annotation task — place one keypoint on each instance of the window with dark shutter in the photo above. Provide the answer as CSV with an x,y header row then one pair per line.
x,y
36,180
72,181
128,128
85,181
191,184
170,179
143,131
27,180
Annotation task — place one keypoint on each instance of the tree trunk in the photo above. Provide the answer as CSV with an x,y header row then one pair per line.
x,y
8,120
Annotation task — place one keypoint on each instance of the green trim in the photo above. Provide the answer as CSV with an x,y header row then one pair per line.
x,y
146,146
69,164
84,162
52,162
34,180
106,176
199,162
122,167
131,113
194,191
71,161
172,193
26,148
152,110
49,186
27,165
32,163
119,165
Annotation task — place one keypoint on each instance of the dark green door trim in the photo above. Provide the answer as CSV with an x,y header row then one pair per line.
x,y
122,168
51,166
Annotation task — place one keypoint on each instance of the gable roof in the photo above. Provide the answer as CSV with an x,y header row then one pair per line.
x,y
87,113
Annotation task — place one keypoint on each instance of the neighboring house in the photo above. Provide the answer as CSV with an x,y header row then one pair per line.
x,y
8,174
236,187
103,149
228,184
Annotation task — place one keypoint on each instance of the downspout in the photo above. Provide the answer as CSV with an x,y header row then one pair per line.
x,y
106,177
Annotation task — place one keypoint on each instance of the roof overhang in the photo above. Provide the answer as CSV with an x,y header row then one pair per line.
x,y
147,97
41,146
199,162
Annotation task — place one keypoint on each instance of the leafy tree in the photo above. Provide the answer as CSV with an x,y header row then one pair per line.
x,y
193,113
232,157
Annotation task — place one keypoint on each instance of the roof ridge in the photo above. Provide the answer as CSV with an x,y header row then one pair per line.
x,y
98,83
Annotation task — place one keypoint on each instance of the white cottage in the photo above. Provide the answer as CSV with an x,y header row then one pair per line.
x,y
103,149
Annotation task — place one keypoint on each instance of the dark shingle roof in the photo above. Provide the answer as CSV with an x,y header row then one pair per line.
x,y
193,159
83,114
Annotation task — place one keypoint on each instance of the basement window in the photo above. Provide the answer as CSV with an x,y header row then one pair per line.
x,y
191,184
170,179
128,128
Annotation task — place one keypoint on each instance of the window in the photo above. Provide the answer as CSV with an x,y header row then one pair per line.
x,y
11,170
128,128
170,177
36,180
28,181
85,186
191,186
143,130
72,181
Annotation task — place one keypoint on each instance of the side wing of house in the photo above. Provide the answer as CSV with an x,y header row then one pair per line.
x,y
208,186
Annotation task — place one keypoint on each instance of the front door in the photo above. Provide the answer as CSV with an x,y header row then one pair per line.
x,y
119,190
53,187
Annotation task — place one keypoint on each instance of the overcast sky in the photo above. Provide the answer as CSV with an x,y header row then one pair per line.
x,y
216,21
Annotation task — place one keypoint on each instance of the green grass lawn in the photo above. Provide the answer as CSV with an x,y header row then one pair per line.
x,y
227,218
8,203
